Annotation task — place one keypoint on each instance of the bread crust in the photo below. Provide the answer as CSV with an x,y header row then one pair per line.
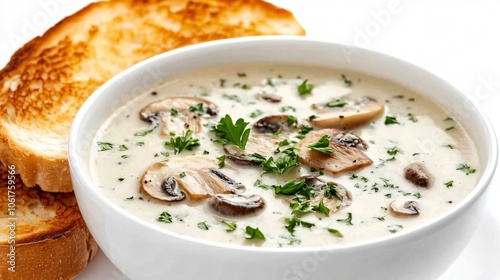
x,y
51,240
47,80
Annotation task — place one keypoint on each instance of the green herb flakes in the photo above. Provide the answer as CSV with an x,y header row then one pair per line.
x,y
165,217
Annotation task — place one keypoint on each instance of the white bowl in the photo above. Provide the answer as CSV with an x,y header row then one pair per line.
x,y
142,251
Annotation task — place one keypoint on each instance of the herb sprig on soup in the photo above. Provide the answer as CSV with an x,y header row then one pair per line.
x,y
283,155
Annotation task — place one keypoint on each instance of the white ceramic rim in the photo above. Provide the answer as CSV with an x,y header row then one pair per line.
x,y
482,185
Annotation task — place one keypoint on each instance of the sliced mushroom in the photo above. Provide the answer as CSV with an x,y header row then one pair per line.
x,y
236,205
262,144
270,97
273,124
334,195
404,208
347,155
196,176
418,175
187,116
263,139
348,116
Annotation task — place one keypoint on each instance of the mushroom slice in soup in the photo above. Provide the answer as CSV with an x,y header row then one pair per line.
x,y
334,195
418,175
196,176
270,97
236,204
346,154
263,140
179,114
404,208
347,115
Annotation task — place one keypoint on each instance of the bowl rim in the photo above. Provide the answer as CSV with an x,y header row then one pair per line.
x,y
86,182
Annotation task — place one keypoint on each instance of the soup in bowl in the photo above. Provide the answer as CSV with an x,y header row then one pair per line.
x,y
282,154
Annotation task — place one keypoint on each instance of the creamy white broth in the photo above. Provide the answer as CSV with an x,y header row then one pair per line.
x,y
434,139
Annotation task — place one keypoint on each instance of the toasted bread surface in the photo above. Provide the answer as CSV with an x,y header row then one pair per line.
x,y
42,235
48,79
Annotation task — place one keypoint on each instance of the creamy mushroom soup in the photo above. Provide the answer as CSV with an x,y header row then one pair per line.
x,y
282,155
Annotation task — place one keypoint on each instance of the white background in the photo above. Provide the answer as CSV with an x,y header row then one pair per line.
x,y
456,40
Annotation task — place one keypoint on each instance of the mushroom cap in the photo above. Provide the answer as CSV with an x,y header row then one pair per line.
x,y
346,157
334,195
186,119
197,176
236,204
419,175
352,115
273,124
404,208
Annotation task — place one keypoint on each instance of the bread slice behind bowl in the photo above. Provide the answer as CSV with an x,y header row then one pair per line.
x,y
43,236
48,79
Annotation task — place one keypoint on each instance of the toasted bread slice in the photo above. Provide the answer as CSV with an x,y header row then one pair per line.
x,y
42,235
48,79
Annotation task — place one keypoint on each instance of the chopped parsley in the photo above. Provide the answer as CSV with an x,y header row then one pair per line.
x,y
335,232
202,225
256,113
104,146
449,184
346,81
222,161
254,233
305,88
393,151
197,109
450,128
291,120
288,108
181,143
241,75
165,217
412,117
291,187
182,174
390,120
321,208
322,145
293,222
122,148
232,133
287,159
466,168
347,220
144,132
231,226
174,112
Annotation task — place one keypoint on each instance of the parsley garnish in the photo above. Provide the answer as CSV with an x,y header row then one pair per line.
x,y
347,220
291,187
202,225
165,217
232,133
393,151
181,143
241,75
293,222
449,184
305,88
104,146
347,82
466,168
412,117
321,208
231,226
144,132
390,120
288,159
322,145
335,232
291,120
122,148
174,112
254,233
197,109
331,191
256,113
222,161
